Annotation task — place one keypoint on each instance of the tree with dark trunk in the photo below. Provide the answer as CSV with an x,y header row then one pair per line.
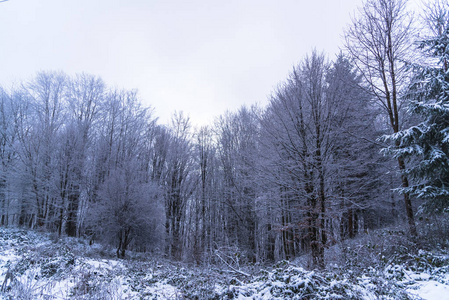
x,y
379,40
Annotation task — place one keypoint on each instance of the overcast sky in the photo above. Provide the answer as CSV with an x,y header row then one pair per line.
x,y
201,57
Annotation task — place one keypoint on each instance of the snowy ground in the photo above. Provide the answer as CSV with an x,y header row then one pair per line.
x,y
33,266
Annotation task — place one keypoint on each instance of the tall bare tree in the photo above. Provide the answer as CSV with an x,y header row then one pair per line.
x,y
85,95
297,124
237,148
11,106
179,184
46,94
379,40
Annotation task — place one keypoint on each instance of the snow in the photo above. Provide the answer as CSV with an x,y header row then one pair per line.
x,y
68,276
44,270
430,290
418,276
164,291
7,257
107,264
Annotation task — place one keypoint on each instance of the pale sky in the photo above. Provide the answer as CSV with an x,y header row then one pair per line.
x,y
200,57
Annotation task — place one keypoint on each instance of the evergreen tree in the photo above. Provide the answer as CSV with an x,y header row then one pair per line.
x,y
427,144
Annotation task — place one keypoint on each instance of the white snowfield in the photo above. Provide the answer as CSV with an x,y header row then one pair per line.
x,y
34,267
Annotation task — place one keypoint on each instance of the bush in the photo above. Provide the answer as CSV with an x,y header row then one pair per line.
x,y
434,231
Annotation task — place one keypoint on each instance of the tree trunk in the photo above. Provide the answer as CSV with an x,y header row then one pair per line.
x,y
351,223
72,214
407,200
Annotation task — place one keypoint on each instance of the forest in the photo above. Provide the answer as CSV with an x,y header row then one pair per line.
x,y
343,147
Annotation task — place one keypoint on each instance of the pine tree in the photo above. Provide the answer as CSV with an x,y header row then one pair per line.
x,y
427,144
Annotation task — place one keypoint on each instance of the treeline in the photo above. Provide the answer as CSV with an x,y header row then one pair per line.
x,y
305,172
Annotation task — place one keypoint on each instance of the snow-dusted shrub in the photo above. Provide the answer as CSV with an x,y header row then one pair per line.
x,y
190,282
375,248
434,231
83,247
196,285
92,286
25,287
290,282
49,259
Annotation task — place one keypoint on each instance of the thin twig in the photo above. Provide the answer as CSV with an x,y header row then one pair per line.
x,y
231,267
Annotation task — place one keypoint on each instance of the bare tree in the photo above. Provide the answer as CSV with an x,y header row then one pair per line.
x,y
9,122
125,206
179,184
204,153
355,170
435,16
237,149
128,210
378,41
85,95
297,124
317,157
46,94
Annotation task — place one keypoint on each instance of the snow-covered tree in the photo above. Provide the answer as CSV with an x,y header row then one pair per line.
x,y
299,152
238,153
178,184
379,42
128,210
427,144
354,172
